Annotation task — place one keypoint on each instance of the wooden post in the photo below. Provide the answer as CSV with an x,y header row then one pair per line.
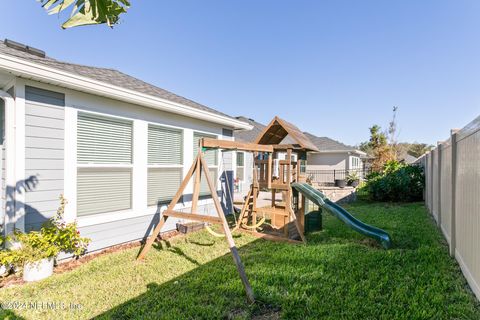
x,y
432,173
244,208
163,218
231,243
269,171
453,232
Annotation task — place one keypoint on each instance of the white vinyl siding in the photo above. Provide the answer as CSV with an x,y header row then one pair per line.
x,y
104,156
103,190
165,163
103,139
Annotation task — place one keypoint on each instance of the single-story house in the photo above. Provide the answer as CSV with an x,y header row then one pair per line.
x,y
116,147
334,159
333,155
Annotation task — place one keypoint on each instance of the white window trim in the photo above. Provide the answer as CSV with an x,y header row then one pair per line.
x,y
172,166
130,166
243,179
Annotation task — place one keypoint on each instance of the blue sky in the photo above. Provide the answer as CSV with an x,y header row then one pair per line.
x,y
333,68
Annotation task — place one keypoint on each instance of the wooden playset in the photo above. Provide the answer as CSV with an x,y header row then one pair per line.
x,y
280,160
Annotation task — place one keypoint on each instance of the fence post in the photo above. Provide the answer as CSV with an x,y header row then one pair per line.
x,y
453,232
439,180
431,180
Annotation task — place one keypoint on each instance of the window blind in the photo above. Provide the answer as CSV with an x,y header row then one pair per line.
x,y
165,145
102,190
103,139
163,184
211,156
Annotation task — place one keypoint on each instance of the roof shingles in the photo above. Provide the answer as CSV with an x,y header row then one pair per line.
x,y
110,76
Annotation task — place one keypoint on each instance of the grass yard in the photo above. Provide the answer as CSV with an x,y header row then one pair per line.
x,y
338,275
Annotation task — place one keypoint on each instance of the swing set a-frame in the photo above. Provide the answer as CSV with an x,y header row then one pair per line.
x,y
276,166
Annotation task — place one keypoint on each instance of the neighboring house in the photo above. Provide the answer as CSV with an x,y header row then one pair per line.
x,y
408,159
333,155
115,146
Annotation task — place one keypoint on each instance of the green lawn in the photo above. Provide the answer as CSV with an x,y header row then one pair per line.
x,y
338,275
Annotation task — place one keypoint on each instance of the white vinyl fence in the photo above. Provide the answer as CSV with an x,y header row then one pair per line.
x,y
452,195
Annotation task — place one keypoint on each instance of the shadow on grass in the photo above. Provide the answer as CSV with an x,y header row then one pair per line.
x,y
335,276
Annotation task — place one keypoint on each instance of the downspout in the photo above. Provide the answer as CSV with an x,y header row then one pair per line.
x,y
7,219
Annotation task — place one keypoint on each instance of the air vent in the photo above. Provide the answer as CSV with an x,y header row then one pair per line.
x,y
36,52
15,45
21,47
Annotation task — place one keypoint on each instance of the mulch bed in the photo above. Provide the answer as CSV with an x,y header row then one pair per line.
x,y
70,264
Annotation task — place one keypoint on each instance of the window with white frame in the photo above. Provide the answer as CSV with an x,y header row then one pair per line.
x,y
165,163
211,158
104,164
240,172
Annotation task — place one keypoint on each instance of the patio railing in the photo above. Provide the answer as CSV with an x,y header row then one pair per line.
x,y
328,177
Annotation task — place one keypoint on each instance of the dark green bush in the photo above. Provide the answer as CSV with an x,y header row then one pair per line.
x,y
397,182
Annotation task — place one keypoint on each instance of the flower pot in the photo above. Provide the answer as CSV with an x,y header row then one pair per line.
x,y
341,183
38,270
355,183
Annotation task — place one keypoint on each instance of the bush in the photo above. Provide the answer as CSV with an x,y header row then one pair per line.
x,y
55,236
397,182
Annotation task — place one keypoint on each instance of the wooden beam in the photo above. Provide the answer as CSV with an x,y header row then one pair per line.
x,y
172,204
234,145
192,216
228,234
270,237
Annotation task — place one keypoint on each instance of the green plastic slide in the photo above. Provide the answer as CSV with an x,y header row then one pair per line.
x,y
322,201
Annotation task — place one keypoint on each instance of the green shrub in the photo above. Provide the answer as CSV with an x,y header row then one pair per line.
x,y
397,182
55,236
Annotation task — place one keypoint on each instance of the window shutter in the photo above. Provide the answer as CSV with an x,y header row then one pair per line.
x,y
163,183
211,156
102,190
165,145
103,139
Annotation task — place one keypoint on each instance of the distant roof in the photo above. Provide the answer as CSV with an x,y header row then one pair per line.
x,y
328,144
409,159
248,135
107,75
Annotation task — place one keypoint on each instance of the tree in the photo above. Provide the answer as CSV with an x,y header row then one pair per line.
x,y
378,148
87,12
417,149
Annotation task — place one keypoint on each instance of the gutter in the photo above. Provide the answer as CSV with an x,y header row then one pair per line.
x,y
39,72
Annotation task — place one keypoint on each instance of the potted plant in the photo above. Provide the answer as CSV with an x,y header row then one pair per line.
x,y
341,183
38,249
353,179
8,256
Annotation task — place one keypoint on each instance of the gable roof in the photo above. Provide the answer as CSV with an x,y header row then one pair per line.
x,y
322,143
278,129
112,77
328,144
249,135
